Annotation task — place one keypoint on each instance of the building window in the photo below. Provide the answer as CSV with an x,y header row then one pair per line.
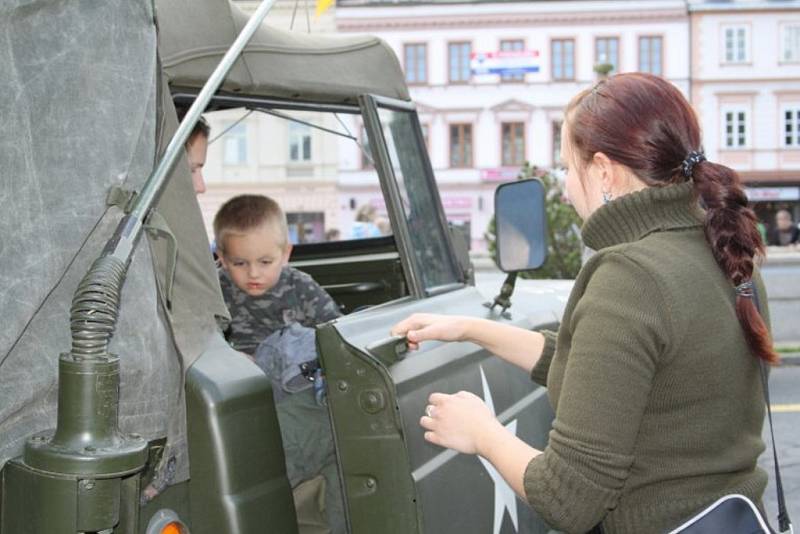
x,y
416,62
563,59
606,52
735,44
460,145
791,42
459,56
557,144
513,141
512,45
791,127
650,49
235,148
299,142
735,129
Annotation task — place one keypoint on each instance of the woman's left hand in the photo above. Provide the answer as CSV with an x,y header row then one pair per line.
x,y
461,422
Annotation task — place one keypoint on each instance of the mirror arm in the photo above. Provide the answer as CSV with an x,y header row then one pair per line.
x,y
504,298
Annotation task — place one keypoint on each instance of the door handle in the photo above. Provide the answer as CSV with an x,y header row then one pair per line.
x,y
389,350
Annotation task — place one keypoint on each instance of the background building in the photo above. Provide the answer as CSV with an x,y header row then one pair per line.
x,y
745,87
491,80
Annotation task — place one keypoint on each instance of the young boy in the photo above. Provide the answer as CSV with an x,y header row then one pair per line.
x,y
264,295
261,291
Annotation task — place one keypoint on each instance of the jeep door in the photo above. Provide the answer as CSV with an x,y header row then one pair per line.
x,y
396,482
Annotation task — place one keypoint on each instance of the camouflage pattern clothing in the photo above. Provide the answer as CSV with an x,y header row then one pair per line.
x,y
296,298
305,425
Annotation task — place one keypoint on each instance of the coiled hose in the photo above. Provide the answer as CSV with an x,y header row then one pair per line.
x,y
95,307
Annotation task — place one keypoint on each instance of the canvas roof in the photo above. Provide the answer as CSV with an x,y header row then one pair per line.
x,y
195,34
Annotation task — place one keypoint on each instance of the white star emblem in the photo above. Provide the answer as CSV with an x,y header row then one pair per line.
x,y
504,497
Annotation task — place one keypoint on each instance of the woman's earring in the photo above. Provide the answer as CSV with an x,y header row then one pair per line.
x,y
606,197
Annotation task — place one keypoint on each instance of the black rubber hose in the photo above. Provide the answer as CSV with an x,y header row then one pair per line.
x,y
95,307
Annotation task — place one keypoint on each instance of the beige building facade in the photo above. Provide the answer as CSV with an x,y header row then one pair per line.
x,y
481,126
738,61
745,87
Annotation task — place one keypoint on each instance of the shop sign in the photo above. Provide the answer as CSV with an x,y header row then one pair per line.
x,y
772,194
504,62
499,174
456,203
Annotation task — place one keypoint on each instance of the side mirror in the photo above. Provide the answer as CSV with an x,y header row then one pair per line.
x,y
521,225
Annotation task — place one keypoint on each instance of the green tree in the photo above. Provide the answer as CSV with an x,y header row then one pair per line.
x,y
603,69
564,245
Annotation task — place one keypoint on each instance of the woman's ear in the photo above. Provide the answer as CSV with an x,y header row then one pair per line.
x,y
605,168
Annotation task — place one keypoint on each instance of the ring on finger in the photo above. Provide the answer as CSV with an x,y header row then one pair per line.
x,y
429,410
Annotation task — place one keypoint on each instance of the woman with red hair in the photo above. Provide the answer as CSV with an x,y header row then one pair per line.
x,y
654,372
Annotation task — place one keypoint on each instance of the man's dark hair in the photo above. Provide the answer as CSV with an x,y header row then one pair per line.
x,y
201,127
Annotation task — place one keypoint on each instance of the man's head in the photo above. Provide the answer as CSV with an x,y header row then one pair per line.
x,y
196,148
783,220
252,242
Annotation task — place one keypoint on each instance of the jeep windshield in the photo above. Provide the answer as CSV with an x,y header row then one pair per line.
x,y
363,211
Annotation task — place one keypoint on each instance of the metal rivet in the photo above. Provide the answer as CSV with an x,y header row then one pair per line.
x,y
372,401
342,385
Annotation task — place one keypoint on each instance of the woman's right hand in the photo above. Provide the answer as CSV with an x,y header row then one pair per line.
x,y
427,326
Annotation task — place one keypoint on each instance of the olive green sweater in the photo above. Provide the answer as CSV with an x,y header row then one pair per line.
x,y
658,401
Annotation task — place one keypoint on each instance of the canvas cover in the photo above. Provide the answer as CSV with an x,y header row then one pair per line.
x,y
85,109
194,35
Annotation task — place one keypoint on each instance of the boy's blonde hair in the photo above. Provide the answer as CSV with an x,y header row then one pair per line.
x,y
246,212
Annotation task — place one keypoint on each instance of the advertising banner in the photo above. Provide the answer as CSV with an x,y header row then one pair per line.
x,y
504,63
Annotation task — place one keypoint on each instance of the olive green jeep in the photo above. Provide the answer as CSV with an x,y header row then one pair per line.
x,y
114,374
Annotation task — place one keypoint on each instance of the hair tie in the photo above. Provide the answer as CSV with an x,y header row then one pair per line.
x,y
745,289
691,160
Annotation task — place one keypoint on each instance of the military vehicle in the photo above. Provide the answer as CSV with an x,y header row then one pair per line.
x,y
114,374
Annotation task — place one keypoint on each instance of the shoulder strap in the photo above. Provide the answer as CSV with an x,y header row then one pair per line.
x,y
784,523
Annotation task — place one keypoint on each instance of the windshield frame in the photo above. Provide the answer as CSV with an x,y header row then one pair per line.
x,y
384,165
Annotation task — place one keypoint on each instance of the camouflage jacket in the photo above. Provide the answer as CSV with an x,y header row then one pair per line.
x,y
296,298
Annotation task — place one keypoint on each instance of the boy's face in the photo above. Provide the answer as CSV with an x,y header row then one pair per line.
x,y
254,259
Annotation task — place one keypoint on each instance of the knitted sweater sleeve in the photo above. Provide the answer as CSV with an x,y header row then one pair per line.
x,y
618,329
542,367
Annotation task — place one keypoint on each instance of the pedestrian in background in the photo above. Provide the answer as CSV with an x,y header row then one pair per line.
x,y
785,231
654,373
366,223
